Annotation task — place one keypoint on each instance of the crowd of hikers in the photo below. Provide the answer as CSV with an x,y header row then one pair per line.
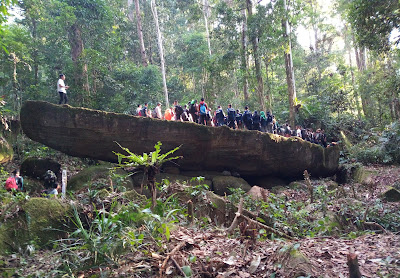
x,y
201,113
15,183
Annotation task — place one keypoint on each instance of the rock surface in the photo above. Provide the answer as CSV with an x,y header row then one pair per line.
x,y
90,133
37,167
221,184
41,221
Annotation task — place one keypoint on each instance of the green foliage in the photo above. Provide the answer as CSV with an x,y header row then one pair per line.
x,y
379,146
373,22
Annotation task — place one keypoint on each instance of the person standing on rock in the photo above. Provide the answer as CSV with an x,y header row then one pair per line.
x,y
62,89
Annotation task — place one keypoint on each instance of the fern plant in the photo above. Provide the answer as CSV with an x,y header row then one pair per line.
x,y
150,164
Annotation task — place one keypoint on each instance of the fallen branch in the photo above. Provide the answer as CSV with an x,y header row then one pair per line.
x,y
178,267
267,228
235,221
176,249
376,225
239,215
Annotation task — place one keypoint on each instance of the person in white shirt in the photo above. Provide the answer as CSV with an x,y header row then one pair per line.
x,y
158,111
62,89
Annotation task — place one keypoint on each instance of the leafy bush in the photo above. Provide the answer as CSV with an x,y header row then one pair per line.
x,y
379,147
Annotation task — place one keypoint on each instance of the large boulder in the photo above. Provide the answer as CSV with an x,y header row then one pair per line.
x,y
90,133
93,173
40,220
37,167
221,184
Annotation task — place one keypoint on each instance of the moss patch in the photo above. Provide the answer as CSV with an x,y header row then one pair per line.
x,y
221,184
91,174
41,221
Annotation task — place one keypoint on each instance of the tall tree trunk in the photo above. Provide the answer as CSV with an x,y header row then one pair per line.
x,y
244,56
161,49
81,78
355,91
269,95
206,11
140,34
130,11
35,53
362,66
289,69
260,84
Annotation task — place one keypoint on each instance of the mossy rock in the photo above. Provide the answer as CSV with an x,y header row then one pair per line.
x,y
391,195
298,185
221,184
268,182
278,189
41,222
6,151
353,172
295,262
138,179
93,173
135,197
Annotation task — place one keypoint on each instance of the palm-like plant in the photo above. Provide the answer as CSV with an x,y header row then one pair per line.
x,y
149,163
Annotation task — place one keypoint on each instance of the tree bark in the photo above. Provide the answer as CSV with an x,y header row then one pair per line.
x,y
244,56
140,34
362,66
161,50
260,84
81,78
269,95
289,69
206,11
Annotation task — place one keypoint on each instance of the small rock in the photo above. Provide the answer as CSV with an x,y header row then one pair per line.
x,y
258,193
235,174
226,173
221,184
391,195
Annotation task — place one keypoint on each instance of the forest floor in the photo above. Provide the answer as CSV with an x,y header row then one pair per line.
x,y
205,250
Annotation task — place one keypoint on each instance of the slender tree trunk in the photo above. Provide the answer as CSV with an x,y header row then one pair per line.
x,y
244,56
260,84
161,49
289,69
269,95
81,78
140,34
355,91
35,52
206,11
361,65
130,11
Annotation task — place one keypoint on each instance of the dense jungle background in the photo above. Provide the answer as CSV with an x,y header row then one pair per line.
x,y
332,65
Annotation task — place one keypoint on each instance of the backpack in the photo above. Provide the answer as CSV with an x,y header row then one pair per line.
x,y
219,115
178,110
246,116
203,109
238,118
256,119
11,183
154,113
192,109
269,118
231,114
144,111
50,180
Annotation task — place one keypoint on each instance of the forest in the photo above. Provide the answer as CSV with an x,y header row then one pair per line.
x,y
331,65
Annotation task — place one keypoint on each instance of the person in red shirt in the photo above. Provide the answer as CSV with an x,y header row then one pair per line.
x,y
11,183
